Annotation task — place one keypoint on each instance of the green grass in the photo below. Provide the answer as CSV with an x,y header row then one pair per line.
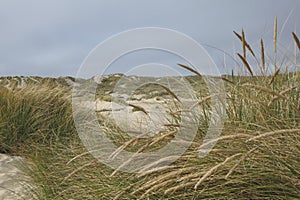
x,y
256,157
33,115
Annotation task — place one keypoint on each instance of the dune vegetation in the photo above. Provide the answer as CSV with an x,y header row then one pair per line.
x,y
256,157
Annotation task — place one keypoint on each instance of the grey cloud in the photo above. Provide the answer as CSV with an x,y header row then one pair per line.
x,y
52,37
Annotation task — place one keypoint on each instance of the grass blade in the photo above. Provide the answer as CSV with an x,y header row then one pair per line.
x,y
274,75
262,51
190,69
246,44
296,40
170,93
138,108
246,64
275,40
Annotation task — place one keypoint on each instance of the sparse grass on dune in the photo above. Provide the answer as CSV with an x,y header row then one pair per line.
x,y
256,157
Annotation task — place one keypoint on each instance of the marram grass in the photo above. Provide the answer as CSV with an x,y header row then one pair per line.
x,y
256,157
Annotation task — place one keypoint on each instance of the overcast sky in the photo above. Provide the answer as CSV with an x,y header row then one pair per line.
x,y
52,37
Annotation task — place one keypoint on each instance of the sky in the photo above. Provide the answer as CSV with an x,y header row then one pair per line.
x,y
52,38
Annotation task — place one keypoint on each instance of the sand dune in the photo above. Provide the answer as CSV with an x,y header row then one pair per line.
x,y
12,179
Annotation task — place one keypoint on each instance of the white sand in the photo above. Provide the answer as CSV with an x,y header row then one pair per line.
x,y
12,179
138,122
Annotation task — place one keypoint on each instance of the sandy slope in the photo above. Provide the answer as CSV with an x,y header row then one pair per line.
x,y
12,180
135,122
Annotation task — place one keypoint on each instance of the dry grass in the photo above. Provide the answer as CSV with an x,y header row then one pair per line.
x,y
275,42
244,44
256,157
246,64
296,40
262,53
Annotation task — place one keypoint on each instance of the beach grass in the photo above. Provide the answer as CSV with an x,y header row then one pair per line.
x,y
257,155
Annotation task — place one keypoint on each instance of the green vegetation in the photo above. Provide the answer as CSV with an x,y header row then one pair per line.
x,y
32,115
256,157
